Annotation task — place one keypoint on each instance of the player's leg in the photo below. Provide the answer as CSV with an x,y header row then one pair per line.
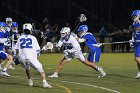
x,y
30,81
8,63
26,65
62,62
137,59
36,64
10,52
1,63
92,63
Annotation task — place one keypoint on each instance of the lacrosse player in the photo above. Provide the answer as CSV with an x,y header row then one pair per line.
x,y
136,38
72,50
90,41
4,55
15,35
28,49
9,23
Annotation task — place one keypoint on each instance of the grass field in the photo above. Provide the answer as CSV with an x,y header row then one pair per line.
x,y
78,78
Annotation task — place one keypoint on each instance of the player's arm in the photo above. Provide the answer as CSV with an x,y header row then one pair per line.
x,y
59,44
81,40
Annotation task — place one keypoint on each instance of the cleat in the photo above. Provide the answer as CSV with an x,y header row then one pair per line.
x,y
30,82
138,76
53,76
103,74
4,73
10,67
46,85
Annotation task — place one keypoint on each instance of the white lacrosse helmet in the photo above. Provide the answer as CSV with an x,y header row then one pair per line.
x,y
9,21
65,32
27,26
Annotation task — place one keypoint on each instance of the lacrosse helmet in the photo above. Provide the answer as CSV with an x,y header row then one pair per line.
x,y
135,15
82,30
2,26
14,26
65,32
27,28
9,21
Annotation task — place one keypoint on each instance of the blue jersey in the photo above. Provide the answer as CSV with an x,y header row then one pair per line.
x,y
89,40
136,27
94,54
1,36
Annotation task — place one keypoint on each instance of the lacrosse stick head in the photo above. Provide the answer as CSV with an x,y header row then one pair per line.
x,y
82,18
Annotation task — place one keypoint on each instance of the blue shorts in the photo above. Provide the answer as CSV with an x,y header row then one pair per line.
x,y
137,50
3,55
94,56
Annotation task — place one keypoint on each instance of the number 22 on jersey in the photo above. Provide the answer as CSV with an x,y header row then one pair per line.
x,y
25,43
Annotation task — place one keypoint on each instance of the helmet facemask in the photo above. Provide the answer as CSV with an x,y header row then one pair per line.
x,y
135,18
81,33
65,32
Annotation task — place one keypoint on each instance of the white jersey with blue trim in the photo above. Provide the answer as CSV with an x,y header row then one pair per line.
x,y
27,46
70,43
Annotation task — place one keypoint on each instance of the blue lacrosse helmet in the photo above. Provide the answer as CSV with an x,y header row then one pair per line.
x,y
82,30
3,24
14,24
135,15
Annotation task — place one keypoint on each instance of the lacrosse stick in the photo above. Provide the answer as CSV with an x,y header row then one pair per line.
x,y
81,18
116,42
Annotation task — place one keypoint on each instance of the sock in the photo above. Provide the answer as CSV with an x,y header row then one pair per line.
x,y
4,70
55,73
97,68
44,81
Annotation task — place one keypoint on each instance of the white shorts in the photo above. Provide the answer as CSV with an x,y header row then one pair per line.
x,y
30,62
79,55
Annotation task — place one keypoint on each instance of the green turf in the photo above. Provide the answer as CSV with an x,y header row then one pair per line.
x,y
76,77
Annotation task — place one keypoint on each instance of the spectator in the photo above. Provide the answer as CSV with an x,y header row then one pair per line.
x,y
102,34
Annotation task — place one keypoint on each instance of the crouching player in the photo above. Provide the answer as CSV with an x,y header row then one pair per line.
x,y
72,50
27,47
136,39
4,55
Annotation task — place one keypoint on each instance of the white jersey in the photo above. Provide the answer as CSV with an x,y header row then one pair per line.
x,y
72,48
27,46
71,43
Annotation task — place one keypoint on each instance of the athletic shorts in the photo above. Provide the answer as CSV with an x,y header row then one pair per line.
x,y
3,55
137,50
94,56
30,62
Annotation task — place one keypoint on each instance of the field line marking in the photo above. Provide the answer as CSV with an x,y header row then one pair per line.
x,y
67,89
63,87
84,84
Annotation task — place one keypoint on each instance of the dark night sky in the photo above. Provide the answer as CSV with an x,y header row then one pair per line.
x,y
116,13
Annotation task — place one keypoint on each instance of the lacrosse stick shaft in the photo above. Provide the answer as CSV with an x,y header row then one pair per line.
x,y
81,19
115,43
